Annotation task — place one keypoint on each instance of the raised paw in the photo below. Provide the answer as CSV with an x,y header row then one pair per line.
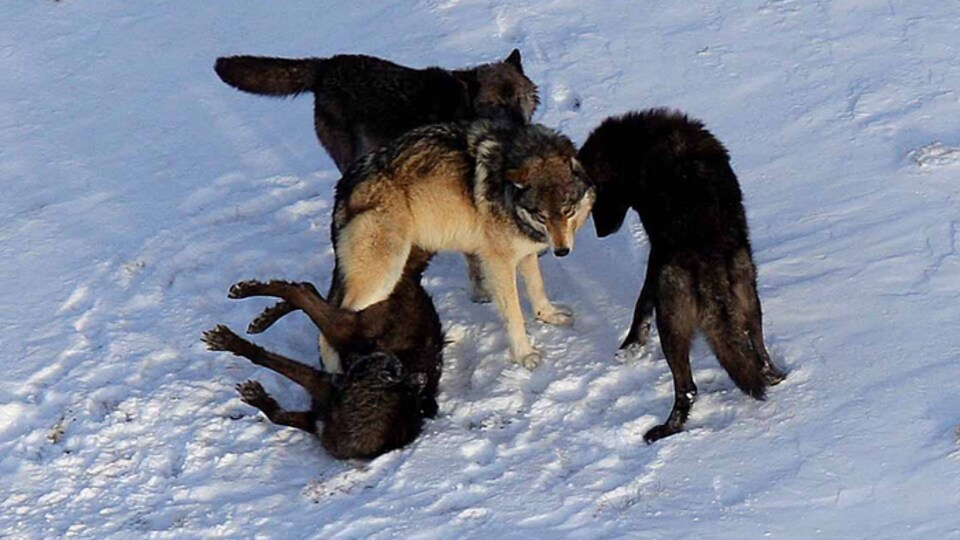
x,y
268,316
529,360
556,315
244,289
221,338
252,393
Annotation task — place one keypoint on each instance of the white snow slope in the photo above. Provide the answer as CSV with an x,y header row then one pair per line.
x,y
137,187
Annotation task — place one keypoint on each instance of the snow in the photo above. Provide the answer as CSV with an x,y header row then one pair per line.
x,y
137,187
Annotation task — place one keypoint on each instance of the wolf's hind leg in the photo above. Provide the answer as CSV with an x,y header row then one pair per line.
x,y
746,302
533,282
314,381
252,393
677,319
478,289
333,131
372,251
643,312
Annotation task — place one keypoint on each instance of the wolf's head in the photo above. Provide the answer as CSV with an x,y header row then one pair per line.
x,y
501,91
600,157
550,191
382,371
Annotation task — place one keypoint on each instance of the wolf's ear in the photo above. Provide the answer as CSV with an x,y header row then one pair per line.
x,y
577,166
514,60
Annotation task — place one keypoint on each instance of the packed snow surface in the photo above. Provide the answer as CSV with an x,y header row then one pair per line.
x,y
137,187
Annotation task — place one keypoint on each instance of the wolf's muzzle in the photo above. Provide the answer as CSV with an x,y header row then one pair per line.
x,y
561,252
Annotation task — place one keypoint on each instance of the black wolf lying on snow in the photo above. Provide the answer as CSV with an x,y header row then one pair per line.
x,y
391,352
700,273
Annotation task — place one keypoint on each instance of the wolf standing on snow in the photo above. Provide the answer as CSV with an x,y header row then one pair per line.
x,y
700,273
500,191
362,102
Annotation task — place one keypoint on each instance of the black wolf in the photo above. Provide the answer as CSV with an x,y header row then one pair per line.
x,y
392,357
700,273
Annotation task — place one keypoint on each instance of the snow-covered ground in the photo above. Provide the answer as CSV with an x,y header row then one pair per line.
x,y
136,187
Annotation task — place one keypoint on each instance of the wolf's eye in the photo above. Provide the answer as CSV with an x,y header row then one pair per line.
x,y
541,217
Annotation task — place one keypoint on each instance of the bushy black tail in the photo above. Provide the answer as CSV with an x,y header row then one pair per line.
x,y
268,76
726,295
738,358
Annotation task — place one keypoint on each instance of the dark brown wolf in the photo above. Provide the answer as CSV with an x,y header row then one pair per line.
x,y
363,102
700,273
500,191
392,358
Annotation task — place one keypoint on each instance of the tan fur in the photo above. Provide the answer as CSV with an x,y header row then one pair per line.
x,y
421,198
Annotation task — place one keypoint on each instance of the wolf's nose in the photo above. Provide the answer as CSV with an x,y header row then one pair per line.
x,y
561,252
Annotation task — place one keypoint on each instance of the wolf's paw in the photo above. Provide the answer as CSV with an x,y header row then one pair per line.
x,y
268,316
480,295
636,338
220,338
658,432
529,360
252,393
244,289
771,375
630,352
556,315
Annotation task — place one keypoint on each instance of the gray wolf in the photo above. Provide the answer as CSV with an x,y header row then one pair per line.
x,y
392,353
700,274
362,102
500,191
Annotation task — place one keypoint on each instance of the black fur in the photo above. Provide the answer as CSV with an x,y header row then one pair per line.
x,y
392,358
363,102
700,274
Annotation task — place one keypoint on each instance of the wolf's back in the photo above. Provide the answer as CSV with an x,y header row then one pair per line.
x,y
268,76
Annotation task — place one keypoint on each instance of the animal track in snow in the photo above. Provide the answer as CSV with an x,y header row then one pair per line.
x,y
935,154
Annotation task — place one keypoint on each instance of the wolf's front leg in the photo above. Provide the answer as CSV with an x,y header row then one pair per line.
x,y
501,276
533,281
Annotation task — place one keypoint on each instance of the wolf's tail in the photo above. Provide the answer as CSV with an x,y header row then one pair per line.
x,y
268,76
738,359
727,309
